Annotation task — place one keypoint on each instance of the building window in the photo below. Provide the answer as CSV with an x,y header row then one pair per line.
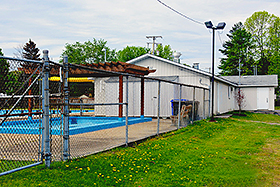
x,y
229,92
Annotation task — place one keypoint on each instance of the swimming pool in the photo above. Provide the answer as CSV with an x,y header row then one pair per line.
x,y
77,125
2,112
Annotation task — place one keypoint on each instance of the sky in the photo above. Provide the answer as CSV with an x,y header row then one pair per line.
x,y
51,24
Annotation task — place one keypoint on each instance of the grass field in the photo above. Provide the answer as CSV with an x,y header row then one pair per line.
x,y
238,151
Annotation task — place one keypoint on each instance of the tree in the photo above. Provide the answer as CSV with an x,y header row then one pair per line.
x,y
4,70
164,52
89,52
240,99
274,35
274,44
265,30
19,52
30,51
131,52
258,25
238,50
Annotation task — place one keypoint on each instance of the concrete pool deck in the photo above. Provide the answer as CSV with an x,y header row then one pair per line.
x,y
25,147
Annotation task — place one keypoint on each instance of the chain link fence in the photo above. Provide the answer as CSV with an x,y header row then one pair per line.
x,y
20,114
129,108
65,111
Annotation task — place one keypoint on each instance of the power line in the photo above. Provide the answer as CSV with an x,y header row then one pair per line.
x,y
198,22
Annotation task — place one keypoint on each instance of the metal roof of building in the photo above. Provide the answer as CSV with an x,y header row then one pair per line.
x,y
137,79
246,81
254,81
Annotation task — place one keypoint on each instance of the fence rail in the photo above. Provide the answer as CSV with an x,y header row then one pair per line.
x,y
59,119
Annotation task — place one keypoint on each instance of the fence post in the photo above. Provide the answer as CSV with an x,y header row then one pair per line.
x,y
142,97
193,105
209,98
179,109
158,114
65,109
121,97
126,115
81,107
46,109
203,103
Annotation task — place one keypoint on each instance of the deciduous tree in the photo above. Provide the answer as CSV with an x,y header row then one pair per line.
x,y
240,99
164,52
131,52
89,52
265,29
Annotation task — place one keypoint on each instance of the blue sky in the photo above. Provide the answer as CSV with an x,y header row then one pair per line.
x,y
53,23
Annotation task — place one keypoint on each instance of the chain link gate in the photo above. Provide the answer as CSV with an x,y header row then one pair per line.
x,y
20,114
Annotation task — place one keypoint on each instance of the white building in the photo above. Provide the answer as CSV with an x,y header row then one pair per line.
x,y
258,90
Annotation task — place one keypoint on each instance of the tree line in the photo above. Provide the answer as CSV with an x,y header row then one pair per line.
x,y
254,44
95,51
253,47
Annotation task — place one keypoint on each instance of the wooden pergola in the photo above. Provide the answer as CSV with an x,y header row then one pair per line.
x,y
110,69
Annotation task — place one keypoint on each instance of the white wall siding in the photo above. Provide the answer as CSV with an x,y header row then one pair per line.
x,y
100,96
223,98
271,98
185,77
250,100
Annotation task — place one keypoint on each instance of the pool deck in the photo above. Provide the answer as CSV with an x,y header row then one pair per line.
x,y
25,147
93,142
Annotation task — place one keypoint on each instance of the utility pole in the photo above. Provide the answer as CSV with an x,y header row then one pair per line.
x,y
153,43
239,71
255,69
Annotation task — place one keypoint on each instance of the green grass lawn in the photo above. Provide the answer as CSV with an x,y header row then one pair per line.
x,y
239,151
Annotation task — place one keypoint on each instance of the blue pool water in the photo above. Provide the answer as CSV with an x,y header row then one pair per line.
x,y
77,125
2,112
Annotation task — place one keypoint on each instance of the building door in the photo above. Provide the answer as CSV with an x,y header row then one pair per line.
x,y
263,98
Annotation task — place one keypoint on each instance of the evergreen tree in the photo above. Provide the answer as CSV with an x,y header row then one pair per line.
x,y
30,51
238,50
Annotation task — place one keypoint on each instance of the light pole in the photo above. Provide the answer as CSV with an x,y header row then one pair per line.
x,y
220,26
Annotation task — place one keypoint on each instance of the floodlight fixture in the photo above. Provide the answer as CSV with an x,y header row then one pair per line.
x,y
221,25
209,24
